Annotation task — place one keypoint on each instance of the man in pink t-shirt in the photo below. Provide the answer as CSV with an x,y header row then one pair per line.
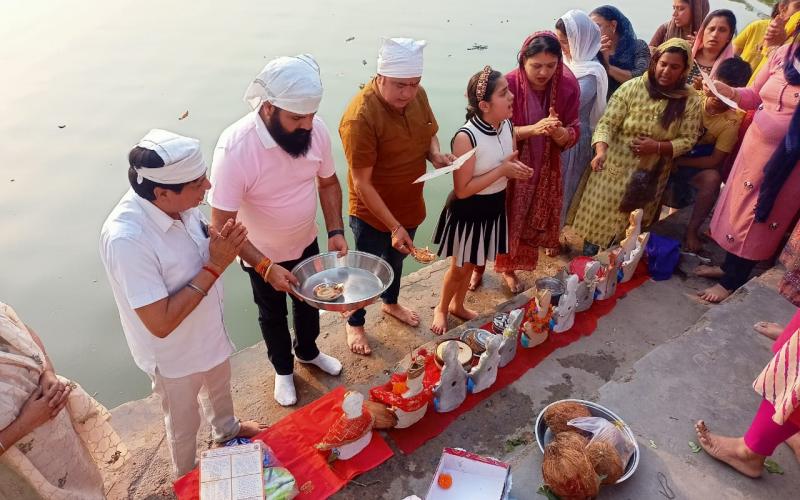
x,y
267,170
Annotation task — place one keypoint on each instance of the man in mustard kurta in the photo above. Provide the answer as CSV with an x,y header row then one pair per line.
x,y
388,132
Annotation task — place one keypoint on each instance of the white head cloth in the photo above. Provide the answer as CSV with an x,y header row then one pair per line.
x,y
583,36
401,57
290,83
183,161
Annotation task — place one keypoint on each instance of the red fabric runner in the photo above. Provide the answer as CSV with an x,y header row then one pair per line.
x,y
292,440
433,424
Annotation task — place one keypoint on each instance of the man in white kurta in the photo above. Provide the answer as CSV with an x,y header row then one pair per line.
x,y
163,262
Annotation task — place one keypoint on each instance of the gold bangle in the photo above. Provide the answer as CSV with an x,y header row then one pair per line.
x,y
263,265
197,289
266,273
396,228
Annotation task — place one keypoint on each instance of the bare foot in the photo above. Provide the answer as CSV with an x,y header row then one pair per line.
x,y
250,428
731,451
513,282
402,313
439,325
463,313
693,243
714,294
769,330
476,280
713,272
794,444
357,340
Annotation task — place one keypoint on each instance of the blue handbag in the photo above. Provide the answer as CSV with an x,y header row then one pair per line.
x,y
663,255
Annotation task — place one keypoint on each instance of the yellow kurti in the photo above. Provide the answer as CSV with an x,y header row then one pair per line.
x,y
791,26
630,113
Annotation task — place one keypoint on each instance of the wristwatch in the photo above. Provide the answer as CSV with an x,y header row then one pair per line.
x,y
334,232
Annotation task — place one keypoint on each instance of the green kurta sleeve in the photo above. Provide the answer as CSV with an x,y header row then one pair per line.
x,y
615,113
689,127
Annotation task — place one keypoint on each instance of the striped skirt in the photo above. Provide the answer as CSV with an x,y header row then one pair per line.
x,y
473,230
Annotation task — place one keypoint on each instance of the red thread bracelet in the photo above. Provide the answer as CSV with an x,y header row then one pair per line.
x,y
211,271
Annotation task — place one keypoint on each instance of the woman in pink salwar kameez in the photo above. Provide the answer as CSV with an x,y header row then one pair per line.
x,y
777,419
761,199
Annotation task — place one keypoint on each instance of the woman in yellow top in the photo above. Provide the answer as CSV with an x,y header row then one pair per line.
x,y
649,121
779,32
748,43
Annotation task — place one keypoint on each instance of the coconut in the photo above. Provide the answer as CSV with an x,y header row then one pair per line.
x,y
571,440
605,460
384,418
557,416
568,472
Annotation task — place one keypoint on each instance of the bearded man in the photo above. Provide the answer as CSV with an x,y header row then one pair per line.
x,y
267,171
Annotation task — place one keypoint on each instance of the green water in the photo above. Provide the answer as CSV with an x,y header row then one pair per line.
x,y
110,71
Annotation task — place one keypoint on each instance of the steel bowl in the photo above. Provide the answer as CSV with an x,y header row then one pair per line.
x,y
544,436
476,339
499,323
364,275
555,285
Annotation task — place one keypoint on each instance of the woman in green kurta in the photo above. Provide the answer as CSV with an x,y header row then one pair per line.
x,y
649,121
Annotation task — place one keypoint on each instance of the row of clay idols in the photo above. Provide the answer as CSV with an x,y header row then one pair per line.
x,y
599,282
455,381
586,281
352,431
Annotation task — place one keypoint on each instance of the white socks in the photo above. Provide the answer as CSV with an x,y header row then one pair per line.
x,y
328,364
284,393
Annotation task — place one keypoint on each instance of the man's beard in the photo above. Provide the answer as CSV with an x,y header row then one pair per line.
x,y
295,143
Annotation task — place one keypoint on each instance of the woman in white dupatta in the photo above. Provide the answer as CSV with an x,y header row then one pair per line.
x,y
580,41
55,440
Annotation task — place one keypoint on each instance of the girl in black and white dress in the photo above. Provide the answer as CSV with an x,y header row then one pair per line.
x,y
472,228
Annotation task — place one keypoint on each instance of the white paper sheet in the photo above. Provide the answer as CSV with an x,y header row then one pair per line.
x,y
247,487
446,170
216,490
232,473
714,90
215,468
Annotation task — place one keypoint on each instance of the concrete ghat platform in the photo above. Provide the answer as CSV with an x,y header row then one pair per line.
x,y
704,373
661,353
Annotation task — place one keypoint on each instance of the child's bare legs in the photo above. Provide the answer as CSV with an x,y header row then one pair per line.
x,y
454,291
707,183
457,307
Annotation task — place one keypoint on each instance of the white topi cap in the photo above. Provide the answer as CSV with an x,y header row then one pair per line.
x,y
290,83
400,57
183,161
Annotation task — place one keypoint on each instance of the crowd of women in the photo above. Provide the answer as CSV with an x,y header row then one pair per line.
x,y
600,124
591,124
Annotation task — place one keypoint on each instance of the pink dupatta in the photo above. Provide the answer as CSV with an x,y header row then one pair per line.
x,y
534,206
727,52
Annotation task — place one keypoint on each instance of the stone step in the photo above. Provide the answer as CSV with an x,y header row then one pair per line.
x,y
704,373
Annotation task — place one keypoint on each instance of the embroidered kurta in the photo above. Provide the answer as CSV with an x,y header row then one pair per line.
x,y
779,382
630,113
70,456
534,205
733,226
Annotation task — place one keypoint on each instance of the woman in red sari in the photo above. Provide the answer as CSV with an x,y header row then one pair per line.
x,y
547,97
